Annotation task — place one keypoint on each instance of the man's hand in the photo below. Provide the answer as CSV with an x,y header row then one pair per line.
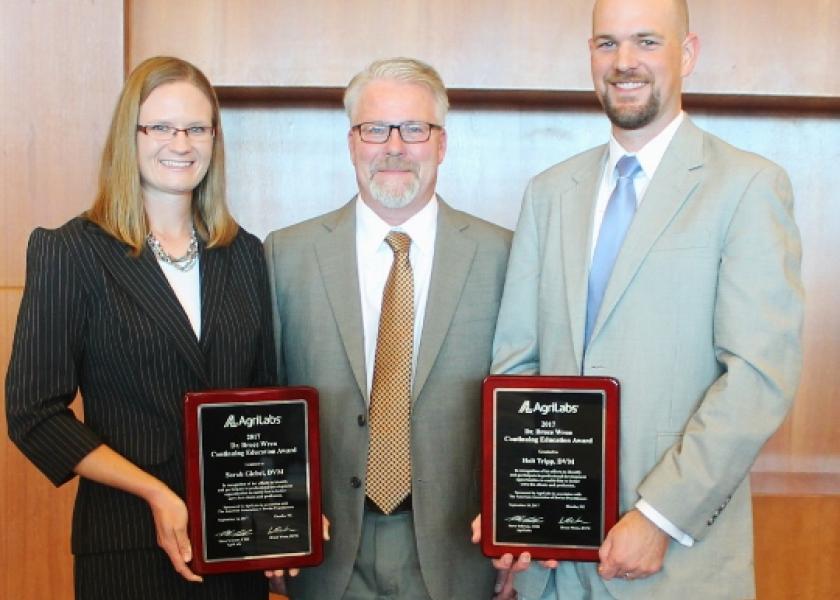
x,y
506,566
635,548
277,583
276,577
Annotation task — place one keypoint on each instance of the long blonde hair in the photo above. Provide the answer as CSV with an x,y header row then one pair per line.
x,y
118,207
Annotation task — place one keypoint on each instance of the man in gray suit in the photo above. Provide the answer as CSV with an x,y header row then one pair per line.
x,y
328,278
699,318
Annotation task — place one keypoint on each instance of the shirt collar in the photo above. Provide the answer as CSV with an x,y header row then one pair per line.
x,y
371,229
651,154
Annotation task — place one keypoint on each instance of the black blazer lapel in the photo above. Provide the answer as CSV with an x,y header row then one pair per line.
x,y
142,279
214,274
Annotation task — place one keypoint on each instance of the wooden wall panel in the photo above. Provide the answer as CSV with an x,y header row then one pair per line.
x,y
35,547
289,163
60,75
776,47
61,71
324,42
768,47
796,544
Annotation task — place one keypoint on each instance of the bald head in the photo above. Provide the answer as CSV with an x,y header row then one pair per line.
x,y
676,9
640,52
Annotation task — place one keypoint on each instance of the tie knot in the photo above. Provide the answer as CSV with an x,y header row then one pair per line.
x,y
400,242
627,167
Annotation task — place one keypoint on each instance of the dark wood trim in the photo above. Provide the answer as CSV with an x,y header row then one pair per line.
x,y
461,98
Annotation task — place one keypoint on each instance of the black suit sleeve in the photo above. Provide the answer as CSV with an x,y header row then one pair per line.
x,y
43,379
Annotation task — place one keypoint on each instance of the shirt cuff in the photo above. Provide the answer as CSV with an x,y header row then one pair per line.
x,y
664,524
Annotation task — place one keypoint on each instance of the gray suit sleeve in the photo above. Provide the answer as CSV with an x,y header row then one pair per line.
x,y
273,266
757,326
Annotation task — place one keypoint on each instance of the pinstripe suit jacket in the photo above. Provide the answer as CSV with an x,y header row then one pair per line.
x,y
95,320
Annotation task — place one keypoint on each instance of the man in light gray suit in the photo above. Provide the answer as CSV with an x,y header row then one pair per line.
x,y
328,276
699,319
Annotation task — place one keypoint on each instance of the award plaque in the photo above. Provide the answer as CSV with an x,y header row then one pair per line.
x,y
550,465
253,479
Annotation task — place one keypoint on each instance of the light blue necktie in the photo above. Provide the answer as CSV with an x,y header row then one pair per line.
x,y
619,213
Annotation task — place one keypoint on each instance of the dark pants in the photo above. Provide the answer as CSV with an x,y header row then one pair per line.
x,y
147,574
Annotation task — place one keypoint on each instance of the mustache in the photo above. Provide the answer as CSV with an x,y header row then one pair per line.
x,y
619,78
393,163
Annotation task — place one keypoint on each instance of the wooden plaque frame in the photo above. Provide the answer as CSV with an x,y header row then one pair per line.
x,y
253,489
534,465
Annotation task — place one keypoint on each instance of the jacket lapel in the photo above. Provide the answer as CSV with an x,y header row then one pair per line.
x,y
214,274
142,279
336,256
676,177
577,218
454,254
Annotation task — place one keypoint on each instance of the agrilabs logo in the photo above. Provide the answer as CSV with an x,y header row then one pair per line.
x,y
243,421
547,407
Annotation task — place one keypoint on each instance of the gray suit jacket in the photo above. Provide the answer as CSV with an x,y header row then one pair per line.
x,y
319,337
700,323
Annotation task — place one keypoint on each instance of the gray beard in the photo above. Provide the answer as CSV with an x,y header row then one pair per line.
x,y
387,197
632,119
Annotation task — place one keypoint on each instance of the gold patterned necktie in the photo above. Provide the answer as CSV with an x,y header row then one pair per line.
x,y
388,480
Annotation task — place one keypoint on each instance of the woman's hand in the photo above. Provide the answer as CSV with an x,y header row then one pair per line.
x,y
170,514
169,511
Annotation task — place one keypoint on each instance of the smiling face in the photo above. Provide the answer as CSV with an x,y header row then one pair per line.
x,y
396,179
640,51
173,168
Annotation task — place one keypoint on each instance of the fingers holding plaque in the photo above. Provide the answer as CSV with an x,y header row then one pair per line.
x,y
253,479
550,465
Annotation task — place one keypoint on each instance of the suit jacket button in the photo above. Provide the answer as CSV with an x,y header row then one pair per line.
x,y
361,420
710,522
355,482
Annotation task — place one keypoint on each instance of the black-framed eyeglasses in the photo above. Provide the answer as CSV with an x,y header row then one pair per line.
x,y
411,132
164,133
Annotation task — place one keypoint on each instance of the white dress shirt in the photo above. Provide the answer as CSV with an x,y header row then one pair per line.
x,y
374,258
649,158
187,288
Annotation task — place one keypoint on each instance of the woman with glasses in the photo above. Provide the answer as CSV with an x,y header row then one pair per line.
x,y
152,292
